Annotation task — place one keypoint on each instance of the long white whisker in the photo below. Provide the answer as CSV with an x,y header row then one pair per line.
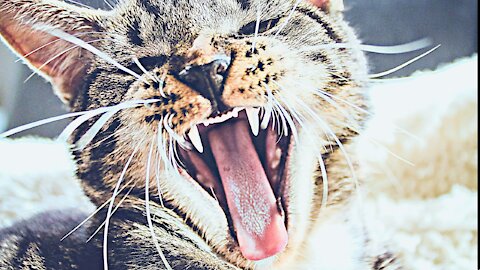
x,y
257,28
339,143
56,56
157,178
110,208
147,207
380,49
393,70
113,212
93,131
68,131
323,93
67,37
143,69
288,18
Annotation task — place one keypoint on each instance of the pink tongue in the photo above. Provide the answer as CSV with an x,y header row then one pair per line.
x,y
260,228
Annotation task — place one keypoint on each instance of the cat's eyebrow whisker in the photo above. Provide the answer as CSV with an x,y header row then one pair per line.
x,y
147,207
55,57
67,37
393,70
144,70
59,39
257,28
162,84
110,207
290,15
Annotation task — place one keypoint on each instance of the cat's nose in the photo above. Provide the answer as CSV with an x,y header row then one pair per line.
x,y
208,80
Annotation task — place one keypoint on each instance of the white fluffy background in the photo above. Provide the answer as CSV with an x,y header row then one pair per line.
x,y
426,210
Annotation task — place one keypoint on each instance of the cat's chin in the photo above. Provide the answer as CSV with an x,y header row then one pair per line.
x,y
243,167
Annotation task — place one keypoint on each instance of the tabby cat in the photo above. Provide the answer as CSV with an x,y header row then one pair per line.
x,y
212,134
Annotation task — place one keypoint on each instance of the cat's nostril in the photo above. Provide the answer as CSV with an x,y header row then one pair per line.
x,y
208,79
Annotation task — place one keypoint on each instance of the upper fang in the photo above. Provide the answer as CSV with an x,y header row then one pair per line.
x,y
194,136
253,115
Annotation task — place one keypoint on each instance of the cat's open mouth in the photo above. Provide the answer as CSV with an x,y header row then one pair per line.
x,y
245,173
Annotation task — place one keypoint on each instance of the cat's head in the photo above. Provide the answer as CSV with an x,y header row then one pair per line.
x,y
231,110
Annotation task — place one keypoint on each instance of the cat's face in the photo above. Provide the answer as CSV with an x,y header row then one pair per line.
x,y
242,112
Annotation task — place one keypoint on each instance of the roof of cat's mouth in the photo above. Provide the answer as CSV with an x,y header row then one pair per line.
x,y
242,165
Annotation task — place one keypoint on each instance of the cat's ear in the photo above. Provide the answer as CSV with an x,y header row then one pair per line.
x,y
60,62
329,5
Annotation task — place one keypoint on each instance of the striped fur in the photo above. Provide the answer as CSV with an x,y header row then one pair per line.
x,y
192,229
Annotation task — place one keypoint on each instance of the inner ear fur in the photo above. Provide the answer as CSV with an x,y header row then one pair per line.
x,y
329,5
59,61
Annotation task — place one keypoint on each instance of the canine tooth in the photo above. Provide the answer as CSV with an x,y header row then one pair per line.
x,y
254,119
194,136
266,120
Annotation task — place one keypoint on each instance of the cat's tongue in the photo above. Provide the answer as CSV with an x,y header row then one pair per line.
x,y
259,225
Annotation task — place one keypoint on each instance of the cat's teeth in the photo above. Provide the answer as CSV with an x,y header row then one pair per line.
x,y
194,136
265,120
253,115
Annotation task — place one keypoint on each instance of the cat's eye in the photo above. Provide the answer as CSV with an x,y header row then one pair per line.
x,y
264,26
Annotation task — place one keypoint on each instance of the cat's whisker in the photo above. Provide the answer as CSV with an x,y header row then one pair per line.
x,y
257,28
108,4
86,219
110,207
179,139
327,128
290,15
162,84
380,49
161,145
147,207
286,116
214,195
68,131
57,56
157,177
114,210
46,121
393,70
144,70
59,39
72,39
323,93
79,4
94,130
268,112
325,190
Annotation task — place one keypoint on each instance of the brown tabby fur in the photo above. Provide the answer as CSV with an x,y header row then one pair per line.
x,y
191,228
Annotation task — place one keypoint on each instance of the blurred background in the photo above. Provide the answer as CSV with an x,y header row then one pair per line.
x,y
453,24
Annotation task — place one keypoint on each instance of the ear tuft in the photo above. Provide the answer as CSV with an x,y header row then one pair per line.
x,y
329,5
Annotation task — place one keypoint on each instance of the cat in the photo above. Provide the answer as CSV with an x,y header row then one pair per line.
x,y
210,134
